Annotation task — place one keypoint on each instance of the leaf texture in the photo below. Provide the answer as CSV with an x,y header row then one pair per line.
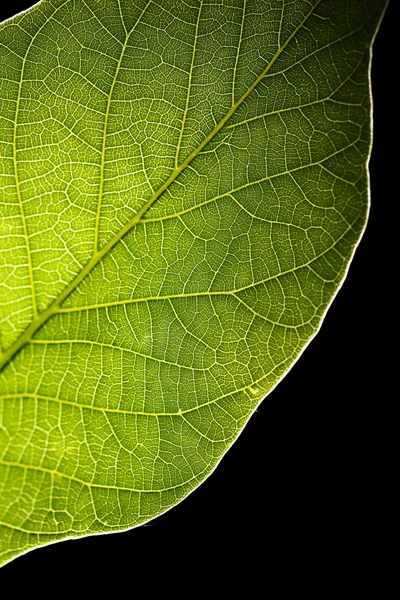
x,y
183,185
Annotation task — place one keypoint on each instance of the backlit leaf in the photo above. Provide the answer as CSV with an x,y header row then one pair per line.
x,y
183,185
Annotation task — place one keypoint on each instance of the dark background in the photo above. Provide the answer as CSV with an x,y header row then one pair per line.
x,y
300,484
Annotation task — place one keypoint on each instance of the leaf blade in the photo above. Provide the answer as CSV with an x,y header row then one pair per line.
x,y
202,270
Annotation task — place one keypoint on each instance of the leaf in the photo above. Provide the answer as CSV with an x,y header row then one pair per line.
x,y
183,187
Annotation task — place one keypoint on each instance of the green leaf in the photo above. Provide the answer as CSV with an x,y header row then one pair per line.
x,y
183,187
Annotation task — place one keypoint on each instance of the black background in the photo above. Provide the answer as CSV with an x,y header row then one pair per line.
x,y
300,484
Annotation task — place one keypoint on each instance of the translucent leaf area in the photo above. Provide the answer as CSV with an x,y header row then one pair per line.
x,y
183,184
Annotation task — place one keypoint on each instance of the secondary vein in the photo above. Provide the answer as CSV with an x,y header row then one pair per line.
x,y
16,175
105,130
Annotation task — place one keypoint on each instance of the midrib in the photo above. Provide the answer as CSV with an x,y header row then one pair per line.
x,y
99,255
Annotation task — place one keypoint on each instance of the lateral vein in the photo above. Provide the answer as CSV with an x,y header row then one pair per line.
x,y
105,129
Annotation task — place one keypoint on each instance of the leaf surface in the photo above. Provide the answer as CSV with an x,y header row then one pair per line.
x,y
183,186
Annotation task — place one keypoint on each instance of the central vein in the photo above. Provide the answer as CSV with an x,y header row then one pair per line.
x,y
99,254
